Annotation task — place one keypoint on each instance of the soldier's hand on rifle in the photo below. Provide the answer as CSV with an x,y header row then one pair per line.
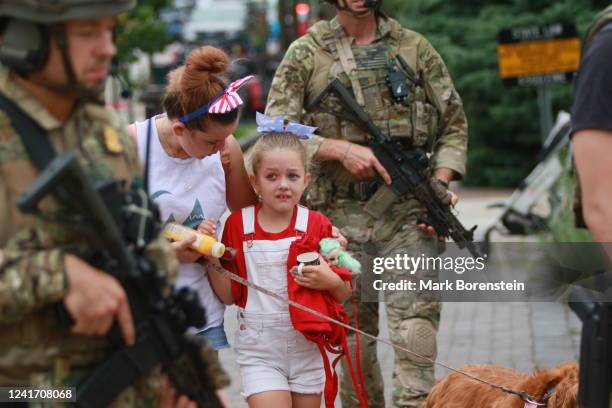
x,y
362,164
95,299
183,250
440,188
168,397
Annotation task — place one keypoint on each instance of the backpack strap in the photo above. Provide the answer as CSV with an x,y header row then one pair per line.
x,y
331,377
36,143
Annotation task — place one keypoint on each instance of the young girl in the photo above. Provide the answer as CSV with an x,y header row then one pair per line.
x,y
279,366
185,148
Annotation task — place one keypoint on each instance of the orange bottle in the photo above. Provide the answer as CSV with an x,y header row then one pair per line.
x,y
203,244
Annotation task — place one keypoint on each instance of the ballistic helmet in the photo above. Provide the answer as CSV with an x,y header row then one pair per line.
x,y
57,11
24,26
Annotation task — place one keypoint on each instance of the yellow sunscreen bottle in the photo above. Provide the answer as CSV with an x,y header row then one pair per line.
x,y
203,244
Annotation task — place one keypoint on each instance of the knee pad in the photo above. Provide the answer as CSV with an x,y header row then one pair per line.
x,y
419,335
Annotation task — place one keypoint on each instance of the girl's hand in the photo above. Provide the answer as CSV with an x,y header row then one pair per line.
x,y
208,227
183,250
319,277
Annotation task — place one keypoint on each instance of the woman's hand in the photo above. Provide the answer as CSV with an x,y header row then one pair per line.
x,y
208,227
183,250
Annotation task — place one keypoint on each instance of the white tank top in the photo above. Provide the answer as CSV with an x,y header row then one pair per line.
x,y
187,191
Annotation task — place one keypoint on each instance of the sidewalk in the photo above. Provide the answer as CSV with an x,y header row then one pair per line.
x,y
524,336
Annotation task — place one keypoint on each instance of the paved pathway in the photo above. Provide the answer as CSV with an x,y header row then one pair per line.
x,y
524,336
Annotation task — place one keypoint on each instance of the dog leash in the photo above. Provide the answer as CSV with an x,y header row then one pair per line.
x,y
529,400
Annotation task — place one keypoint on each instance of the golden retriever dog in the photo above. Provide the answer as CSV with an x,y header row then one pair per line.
x,y
558,387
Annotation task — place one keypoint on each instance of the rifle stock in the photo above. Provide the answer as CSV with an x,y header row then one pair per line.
x,y
160,320
407,170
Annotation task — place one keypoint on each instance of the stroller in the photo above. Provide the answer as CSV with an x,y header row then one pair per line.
x,y
521,215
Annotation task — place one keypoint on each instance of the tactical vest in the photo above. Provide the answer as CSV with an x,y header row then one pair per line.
x,y
602,19
364,68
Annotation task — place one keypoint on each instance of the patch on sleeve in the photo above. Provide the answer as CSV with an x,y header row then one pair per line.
x,y
112,141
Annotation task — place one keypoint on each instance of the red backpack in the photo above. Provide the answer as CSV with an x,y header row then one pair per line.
x,y
328,336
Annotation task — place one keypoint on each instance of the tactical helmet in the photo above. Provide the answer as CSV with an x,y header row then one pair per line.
x,y
57,11
25,27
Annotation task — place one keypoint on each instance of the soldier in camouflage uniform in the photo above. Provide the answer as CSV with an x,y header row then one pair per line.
x,y
55,57
360,47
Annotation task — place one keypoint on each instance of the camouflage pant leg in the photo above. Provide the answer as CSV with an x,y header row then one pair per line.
x,y
367,314
413,323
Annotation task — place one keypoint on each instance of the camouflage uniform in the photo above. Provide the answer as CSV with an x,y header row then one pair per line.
x,y
431,118
34,348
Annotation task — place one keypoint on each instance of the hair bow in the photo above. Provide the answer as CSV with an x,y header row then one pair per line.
x,y
268,124
226,102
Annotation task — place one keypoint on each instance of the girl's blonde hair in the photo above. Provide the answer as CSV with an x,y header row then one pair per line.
x,y
194,84
278,140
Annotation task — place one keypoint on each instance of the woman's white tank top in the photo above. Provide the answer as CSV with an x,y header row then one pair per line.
x,y
187,191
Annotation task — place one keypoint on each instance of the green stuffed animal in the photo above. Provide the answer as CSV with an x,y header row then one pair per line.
x,y
335,255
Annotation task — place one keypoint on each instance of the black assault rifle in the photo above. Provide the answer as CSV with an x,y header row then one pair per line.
x,y
121,224
407,169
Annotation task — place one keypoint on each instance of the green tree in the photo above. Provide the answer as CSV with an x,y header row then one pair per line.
x,y
141,29
503,120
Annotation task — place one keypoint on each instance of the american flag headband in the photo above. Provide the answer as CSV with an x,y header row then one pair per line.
x,y
225,102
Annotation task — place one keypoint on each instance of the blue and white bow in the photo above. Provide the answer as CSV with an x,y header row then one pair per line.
x,y
270,124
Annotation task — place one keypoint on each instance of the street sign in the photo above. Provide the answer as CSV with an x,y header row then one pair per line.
x,y
538,55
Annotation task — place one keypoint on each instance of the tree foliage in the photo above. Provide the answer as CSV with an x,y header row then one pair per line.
x,y
504,121
141,29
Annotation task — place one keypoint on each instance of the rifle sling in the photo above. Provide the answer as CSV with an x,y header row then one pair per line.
x,y
36,143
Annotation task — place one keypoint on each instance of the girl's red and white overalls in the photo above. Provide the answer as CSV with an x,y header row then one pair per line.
x,y
271,354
